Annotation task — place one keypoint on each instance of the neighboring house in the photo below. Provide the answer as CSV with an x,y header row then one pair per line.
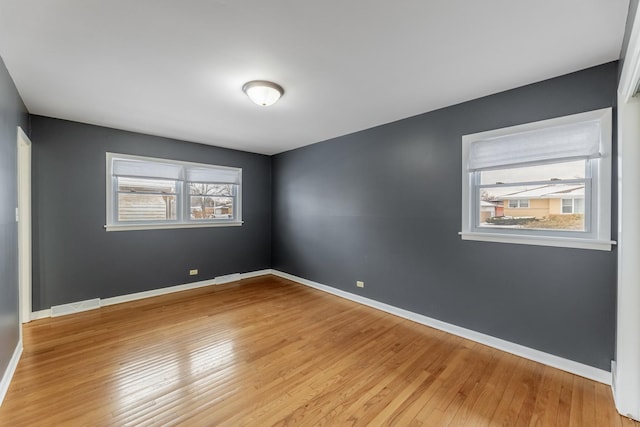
x,y
144,200
539,202
490,209
155,200
145,208
219,211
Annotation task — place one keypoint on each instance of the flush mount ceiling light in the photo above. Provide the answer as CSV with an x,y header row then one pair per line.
x,y
263,92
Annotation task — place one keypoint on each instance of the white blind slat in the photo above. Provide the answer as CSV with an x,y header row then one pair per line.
x,y
145,169
214,175
175,171
558,143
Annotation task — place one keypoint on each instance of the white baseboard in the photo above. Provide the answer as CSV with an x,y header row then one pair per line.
x,y
571,366
614,379
76,307
11,369
156,292
255,273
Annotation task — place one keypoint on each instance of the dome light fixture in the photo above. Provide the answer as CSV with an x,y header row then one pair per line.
x,y
262,92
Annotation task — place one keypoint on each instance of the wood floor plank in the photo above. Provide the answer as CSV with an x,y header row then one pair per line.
x,y
266,351
545,410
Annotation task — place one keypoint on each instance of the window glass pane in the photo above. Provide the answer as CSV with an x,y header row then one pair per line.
x,y
211,207
543,209
548,172
142,199
567,206
204,189
146,207
578,206
144,185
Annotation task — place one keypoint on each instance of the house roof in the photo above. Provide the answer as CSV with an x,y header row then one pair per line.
x,y
552,191
176,68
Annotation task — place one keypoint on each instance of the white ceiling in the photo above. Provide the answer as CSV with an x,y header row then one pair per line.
x,y
176,68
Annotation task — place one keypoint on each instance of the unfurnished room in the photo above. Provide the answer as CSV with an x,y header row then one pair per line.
x,y
296,213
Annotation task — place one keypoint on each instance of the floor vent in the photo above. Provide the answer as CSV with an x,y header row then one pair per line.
x,y
75,307
228,278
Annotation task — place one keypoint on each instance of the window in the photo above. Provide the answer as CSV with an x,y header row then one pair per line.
x,y
548,182
573,206
518,203
148,193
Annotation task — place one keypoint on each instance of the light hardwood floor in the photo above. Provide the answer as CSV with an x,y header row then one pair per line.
x,y
267,351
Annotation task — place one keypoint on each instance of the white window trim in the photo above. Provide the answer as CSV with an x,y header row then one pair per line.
x,y
147,226
600,238
112,225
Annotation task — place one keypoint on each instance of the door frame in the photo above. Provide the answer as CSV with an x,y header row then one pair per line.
x,y
626,367
23,216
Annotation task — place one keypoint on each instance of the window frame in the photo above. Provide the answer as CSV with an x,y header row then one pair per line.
x,y
183,203
597,234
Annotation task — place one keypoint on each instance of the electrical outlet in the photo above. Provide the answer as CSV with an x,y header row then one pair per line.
x,y
360,284
193,272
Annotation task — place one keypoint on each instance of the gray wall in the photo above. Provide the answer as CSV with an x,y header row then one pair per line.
x,y
76,259
12,115
384,206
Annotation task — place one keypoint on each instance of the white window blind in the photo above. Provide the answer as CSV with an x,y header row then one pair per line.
x,y
553,144
143,169
214,176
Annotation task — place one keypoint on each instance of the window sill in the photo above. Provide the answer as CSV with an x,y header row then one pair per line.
x,y
169,226
561,242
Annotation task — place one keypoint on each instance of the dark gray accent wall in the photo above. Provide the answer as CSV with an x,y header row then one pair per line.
x,y
12,114
75,259
384,206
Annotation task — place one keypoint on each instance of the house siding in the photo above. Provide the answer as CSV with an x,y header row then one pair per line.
x,y
537,208
555,206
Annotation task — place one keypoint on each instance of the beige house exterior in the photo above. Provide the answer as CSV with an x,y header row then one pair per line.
x,y
544,200
537,208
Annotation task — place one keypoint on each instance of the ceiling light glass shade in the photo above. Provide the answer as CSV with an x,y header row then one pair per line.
x,y
262,92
